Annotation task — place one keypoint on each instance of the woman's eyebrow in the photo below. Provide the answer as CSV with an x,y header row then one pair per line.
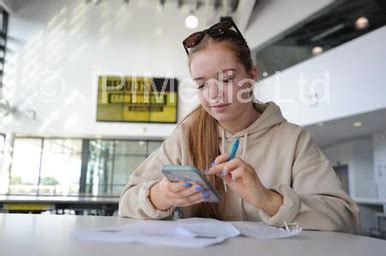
x,y
198,78
219,72
227,70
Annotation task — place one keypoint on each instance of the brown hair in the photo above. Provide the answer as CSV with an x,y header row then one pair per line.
x,y
203,128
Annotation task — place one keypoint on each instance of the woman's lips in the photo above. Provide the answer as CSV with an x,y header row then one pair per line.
x,y
219,106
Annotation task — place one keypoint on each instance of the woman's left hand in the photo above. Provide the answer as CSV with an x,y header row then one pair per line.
x,y
242,178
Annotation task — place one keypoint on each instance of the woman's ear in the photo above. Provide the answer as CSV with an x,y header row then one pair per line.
x,y
254,72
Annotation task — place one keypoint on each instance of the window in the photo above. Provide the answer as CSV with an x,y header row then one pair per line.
x,y
25,166
45,166
111,162
60,166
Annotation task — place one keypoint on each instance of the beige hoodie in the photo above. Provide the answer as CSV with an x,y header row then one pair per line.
x,y
286,161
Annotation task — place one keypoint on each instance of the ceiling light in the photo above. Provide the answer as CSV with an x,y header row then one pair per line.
x,y
265,74
317,50
328,32
191,21
357,124
361,23
94,2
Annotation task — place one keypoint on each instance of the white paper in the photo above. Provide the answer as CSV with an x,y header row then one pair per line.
x,y
192,232
208,227
263,231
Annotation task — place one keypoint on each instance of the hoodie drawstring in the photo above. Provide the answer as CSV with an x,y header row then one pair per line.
x,y
245,145
243,212
223,140
223,148
244,152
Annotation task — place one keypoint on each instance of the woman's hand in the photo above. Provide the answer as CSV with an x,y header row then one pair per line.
x,y
166,194
243,180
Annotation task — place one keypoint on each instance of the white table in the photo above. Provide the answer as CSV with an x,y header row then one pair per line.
x,y
27,235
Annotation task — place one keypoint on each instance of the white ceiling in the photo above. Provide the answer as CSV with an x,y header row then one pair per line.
x,y
260,20
270,18
340,130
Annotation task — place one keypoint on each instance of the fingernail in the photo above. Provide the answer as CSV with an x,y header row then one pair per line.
x,y
205,194
213,164
199,188
206,171
187,185
222,173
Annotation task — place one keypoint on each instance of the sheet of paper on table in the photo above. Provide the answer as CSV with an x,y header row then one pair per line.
x,y
192,232
261,230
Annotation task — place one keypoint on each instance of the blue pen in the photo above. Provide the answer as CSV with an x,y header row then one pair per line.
x,y
234,147
232,154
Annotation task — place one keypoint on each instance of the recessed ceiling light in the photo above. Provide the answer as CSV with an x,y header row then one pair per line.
x,y
191,21
361,23
357,124
317,50
265,74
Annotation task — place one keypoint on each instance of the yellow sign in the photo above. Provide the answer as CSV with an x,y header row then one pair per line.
x,y
28,207
137,99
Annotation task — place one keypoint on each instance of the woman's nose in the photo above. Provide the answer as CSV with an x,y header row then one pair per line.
x,y
213,90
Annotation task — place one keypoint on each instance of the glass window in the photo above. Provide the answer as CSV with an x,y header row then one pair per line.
x,y
60,166
153,146
111,162
99,167
46,166
25,166
54,166
123,167
130,147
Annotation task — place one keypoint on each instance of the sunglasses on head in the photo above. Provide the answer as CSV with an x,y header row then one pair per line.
x,y
217,30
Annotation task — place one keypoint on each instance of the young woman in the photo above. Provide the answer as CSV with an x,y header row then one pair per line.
x,y
279,174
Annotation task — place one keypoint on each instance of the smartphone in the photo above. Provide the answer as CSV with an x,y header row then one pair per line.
x,y
188,173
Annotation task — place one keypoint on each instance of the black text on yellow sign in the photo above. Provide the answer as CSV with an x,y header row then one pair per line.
x,y
137,99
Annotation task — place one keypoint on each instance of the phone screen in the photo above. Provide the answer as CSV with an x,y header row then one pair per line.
x,y
188,173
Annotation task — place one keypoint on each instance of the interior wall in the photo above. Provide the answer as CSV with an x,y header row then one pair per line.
x,y
57,49
358,155
379,143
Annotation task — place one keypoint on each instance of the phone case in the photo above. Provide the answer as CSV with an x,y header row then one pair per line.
x,y
189,173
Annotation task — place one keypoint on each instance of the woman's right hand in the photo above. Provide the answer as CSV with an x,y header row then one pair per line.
x,y
165,194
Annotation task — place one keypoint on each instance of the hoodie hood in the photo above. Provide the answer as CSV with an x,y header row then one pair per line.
x,y
270,115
